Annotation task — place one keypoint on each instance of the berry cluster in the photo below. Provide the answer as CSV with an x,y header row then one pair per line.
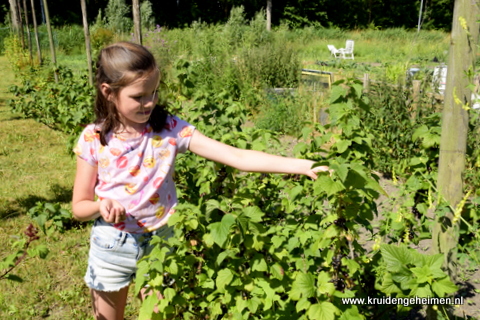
x,y
31,233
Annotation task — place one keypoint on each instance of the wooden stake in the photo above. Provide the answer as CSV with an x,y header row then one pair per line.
x,y
137,21
50,38
453,143
37,40
88,47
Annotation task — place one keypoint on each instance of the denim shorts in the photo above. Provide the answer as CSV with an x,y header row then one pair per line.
x,y
113,256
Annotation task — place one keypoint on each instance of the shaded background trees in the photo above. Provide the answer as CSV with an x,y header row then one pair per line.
x,y
345,14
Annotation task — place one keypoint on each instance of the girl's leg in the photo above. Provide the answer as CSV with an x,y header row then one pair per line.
x,y
109,305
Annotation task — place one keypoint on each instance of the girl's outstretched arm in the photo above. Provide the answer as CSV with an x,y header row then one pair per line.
x,y
250,160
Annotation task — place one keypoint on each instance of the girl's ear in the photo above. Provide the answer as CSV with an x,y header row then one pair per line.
x,y
106,91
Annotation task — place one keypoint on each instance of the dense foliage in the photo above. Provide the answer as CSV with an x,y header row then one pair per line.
x,y
346,14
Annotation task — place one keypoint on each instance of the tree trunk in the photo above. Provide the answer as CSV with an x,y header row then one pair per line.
x,y
269,15
137,22
37,40
50,38
29,38
14,15
461,61
88,47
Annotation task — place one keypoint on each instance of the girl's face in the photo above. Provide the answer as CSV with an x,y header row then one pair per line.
x,y
136,101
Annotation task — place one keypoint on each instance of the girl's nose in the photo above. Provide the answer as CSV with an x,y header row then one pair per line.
x,y
147,100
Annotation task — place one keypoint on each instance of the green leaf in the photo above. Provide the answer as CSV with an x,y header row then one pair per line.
x,y
221,230
254,213
423,274
224,277
277,241
303,304
253,303
336,93
422,292
326,184
351,265
241,303
322,311
41,251
148,306
277,271
341,170
388,286
303,286
396,257
295,192
342,145
352,314
325,286
444,286
259,263
269,293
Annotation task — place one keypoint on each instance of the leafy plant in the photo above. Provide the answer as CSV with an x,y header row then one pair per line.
x,y
116,16
22,250
65,105
283,112
408,273
50,217
255,246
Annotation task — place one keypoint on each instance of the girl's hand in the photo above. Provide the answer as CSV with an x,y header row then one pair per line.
x,y
312,173
112,211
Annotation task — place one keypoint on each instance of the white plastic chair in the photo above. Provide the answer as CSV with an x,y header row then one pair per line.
x,y
334,51
347,52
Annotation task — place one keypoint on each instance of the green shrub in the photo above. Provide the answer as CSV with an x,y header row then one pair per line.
x,y
117,16
101,37
273,65
146,13
284,112
71,39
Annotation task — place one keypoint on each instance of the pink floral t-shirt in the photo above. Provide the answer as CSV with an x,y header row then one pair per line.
x,y
138,172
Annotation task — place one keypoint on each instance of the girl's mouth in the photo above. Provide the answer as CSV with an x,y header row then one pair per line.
x,y
145,112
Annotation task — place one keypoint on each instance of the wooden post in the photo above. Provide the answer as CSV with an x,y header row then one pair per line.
x,y
366,82
269,15
137,21
461,60
20,23
35,28
88,47
50,38
416,97
29,38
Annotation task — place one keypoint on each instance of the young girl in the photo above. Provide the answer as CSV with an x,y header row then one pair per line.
x,y
124,170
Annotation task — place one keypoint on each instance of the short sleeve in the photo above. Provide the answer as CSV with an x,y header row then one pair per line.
x,y
181,131
87,145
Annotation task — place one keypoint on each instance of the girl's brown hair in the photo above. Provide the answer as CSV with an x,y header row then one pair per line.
x,y
119,65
